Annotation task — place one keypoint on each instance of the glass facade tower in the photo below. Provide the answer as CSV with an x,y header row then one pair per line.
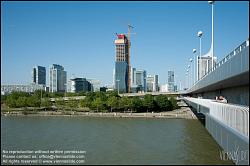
x,y
39,75
57,79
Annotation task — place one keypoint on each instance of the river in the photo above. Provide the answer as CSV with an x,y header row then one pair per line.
x,y
114,140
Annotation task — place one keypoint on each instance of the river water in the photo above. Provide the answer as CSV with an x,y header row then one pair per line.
x,y
114,140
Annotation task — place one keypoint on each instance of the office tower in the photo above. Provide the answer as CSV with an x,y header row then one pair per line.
x,y
152,83
39,75
57,78
133,76
121,64
206,65
171,81
139,80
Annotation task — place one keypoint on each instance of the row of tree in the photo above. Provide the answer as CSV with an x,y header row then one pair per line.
x,y
112,102
96,101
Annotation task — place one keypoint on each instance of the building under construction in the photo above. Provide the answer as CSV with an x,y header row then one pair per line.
x,y
122,63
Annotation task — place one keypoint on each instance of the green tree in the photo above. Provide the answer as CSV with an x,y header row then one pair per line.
x,y
72,104
174,103
112,93
46,102
125,103
98,104
11,102
33,101
60,103
113,102
162,102
3,98
136,104
149,102
87,101
101,95
22,102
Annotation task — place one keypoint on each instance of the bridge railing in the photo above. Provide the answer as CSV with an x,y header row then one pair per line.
x,y
234,116
226,58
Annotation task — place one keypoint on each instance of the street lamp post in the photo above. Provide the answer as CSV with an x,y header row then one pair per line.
x,y
191,70
212,3
199,34
188,78
194,51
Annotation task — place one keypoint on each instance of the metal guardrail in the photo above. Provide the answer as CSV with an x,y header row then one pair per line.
x,y
234,116
225,59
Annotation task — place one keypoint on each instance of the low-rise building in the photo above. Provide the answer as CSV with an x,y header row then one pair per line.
x,y
7,89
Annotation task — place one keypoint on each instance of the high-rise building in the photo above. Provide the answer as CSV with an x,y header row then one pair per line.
x,y
152,83
79,85
133,76
204,64
171,81
139,80
39,75
57,78
121,63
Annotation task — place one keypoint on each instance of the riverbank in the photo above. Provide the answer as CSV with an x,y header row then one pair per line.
x,y
182,113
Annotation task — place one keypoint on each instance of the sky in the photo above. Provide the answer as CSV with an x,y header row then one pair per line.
x,y
80,36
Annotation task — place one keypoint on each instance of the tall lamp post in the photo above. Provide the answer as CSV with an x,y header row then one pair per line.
x,y
118,85
194,51
188,78
191,70
212,3
199,34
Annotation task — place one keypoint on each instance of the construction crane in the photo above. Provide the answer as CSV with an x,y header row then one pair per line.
x,y
129,66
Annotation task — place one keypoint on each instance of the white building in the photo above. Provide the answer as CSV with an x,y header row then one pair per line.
x,y
164,88
204,64
95,84
152,83
7,89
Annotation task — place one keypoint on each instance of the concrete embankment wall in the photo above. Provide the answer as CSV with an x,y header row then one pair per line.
x,y
234,144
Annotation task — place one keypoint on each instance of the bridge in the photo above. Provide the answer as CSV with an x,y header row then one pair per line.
x,y
149,93
228,123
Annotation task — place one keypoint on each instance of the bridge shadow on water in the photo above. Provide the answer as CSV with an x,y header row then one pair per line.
x,y
201,117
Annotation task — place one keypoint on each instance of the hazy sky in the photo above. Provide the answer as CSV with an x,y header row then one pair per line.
x,y
80,36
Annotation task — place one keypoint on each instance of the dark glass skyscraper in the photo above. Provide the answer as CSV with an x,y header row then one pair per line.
x,y
121,64
39,75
